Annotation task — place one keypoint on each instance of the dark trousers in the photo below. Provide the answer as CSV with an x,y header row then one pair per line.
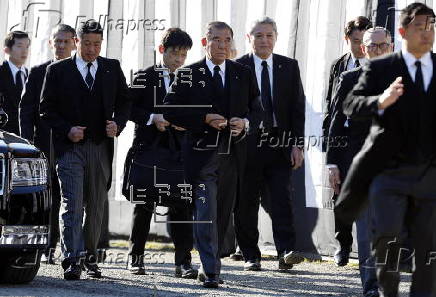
x,y
214,188
181,233
267,174
83,172
405,197
54,212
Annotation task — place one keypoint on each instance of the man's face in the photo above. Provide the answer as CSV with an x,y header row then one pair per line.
x,y
89,46
62,44
376,44
217,45
419,35
263,40
354,41
19,51
174,57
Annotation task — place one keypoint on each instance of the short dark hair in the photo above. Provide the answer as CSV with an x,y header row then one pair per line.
x,y
360,23
218,25
176,38
63,28
12,36
408,13
90,26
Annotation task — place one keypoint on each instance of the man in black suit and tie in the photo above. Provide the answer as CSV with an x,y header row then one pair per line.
x,y
269,167
13,76
396,167
150,123
354,31
37,131
86,103
347,136
217,101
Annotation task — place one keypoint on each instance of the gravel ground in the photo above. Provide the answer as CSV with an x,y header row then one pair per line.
x,y
305,279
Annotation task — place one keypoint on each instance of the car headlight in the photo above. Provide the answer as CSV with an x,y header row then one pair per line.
x,y
29,172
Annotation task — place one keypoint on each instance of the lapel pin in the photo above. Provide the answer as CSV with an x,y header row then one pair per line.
x,y
280,66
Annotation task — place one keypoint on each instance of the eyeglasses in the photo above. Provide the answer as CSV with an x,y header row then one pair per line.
x,y
373,46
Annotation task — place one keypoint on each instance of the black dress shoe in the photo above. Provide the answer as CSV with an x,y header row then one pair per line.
x,y
237,256
202,277
186,271
293,258
72,272
283,266
372,293
211,281
92,270
252,265
136,266
342,255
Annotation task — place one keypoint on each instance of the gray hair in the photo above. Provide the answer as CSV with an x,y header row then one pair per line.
x,y
263,21
368,33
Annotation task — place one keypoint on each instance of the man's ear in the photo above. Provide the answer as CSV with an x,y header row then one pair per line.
x,y
161,49
363,49
7,50
347,40
203,41
402,31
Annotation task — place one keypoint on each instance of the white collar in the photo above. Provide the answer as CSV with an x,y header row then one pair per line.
x,y
211,65
258,61
411,59
361,60
82,63
14,68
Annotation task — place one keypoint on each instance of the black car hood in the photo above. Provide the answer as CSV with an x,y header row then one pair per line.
x,y
16,145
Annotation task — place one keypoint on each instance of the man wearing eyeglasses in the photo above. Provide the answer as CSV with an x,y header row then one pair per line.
x,y
376,42
396,168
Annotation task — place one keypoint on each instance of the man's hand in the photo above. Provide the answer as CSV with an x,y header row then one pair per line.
x,y
111,128
216,121
334,179
237,125
160,122
178,128
391,94
76,133
297,157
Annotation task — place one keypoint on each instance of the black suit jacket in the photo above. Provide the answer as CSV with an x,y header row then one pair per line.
x,y
338,66
60,101
145,103
345,142
11,98
199,90
31,126
288,96
393,134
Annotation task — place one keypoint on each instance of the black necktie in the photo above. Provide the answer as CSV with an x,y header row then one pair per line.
x,y
171,78
266,97
357,63
419,81
89,79
19,81
217,77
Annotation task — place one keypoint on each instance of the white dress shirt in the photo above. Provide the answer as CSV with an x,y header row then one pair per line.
x,y
15,69
352,62
82,66
166,77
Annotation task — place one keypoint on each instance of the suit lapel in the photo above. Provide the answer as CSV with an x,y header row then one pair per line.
x,y
8,76
344,63
251,63
277,75
231,83
431,87
80,82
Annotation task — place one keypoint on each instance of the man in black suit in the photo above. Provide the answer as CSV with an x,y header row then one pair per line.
x,y
150,123
269,166
86,103
217,101
37,131
354,31
347,136
396,166
13,76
